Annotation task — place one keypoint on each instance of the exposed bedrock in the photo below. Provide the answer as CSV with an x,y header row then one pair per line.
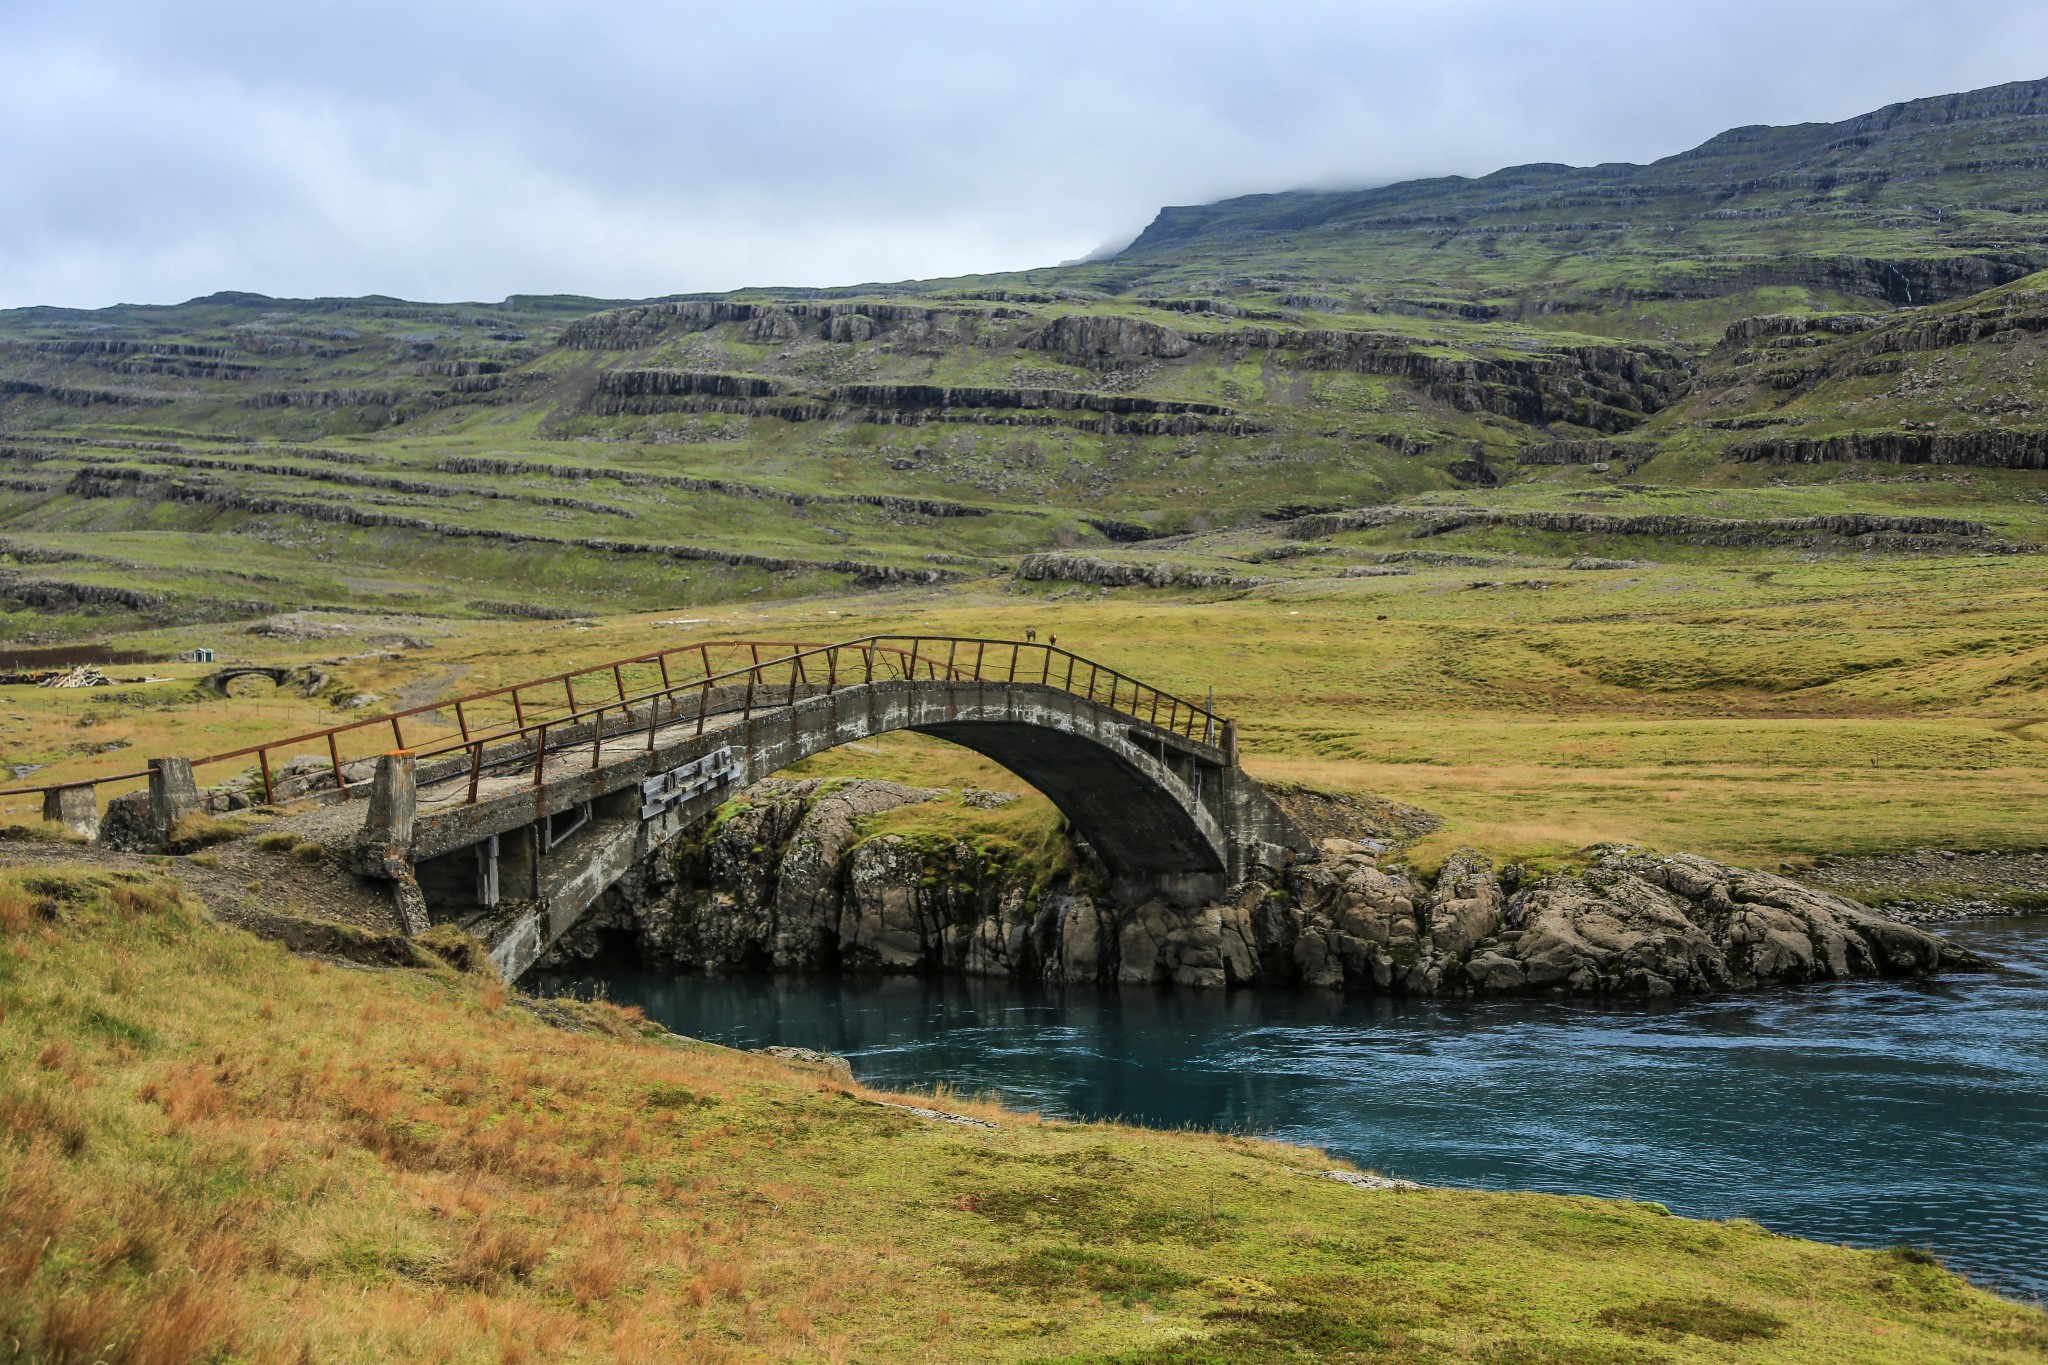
x,y
1070,568
1093,337
2006,449
1605,388
1869,530
794,879
628,329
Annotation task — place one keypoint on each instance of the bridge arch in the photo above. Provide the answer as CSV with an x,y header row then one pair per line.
x,y
218,680
519,849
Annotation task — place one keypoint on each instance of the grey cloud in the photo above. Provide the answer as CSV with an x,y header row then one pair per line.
x,y
149,152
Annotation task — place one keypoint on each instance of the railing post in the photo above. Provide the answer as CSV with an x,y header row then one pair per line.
x,y
476,770
173,795
334,759
868,662
462,722
518,710
703,701
597,739
831,670
662,659
397,739
540,756
269,788
619,681
75,808
394,807
569,688
1045,671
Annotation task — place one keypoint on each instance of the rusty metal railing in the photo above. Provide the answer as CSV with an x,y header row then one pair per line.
x,y
517,719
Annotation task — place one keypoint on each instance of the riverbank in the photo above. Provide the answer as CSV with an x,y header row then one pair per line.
x,y
1935,885
217,1147
1873,1113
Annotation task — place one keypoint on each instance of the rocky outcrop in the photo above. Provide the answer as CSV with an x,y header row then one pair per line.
x,y
59,596
630,329
917,404
1066,568
123,468
1585,452
1796,325
2000,449
1870,530
1604,388
72,395
922,507
1101,338
1902,281
1657,925
637,383
792,879
321,399
940,396
129,483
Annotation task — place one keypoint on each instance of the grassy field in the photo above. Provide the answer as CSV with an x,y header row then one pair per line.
x,y
278,1160
1821,705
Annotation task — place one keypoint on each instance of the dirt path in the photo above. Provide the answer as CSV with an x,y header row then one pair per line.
x,y
243,883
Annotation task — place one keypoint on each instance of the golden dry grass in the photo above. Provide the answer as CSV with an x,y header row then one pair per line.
x,y
210,1150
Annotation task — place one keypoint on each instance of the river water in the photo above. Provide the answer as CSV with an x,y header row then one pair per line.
x,y
1873,1113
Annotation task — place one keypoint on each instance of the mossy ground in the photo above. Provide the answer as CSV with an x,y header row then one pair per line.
x,y
214,1150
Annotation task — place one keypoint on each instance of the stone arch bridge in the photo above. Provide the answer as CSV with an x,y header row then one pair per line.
x,y
512,811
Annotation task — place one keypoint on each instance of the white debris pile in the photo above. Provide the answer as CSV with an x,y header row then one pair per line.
x,y
82,676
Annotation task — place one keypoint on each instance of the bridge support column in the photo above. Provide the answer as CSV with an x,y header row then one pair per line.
x,y
173,795
75,808
384,847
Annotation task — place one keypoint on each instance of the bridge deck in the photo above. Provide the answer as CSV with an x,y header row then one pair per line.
x,y
684,679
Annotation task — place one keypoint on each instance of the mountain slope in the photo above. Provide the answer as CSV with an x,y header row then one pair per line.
x,y
1522,341
1916,202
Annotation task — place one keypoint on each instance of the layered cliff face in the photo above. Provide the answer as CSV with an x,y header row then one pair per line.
x,y
791,879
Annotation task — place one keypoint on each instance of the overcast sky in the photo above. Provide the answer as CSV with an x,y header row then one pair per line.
x,y
150,152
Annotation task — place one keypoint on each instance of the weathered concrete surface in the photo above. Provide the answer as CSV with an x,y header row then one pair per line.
x,y
384,847
173,795
75,808
1170,819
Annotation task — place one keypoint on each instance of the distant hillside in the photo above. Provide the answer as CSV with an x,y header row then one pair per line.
x,y
1851,305
1914,203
